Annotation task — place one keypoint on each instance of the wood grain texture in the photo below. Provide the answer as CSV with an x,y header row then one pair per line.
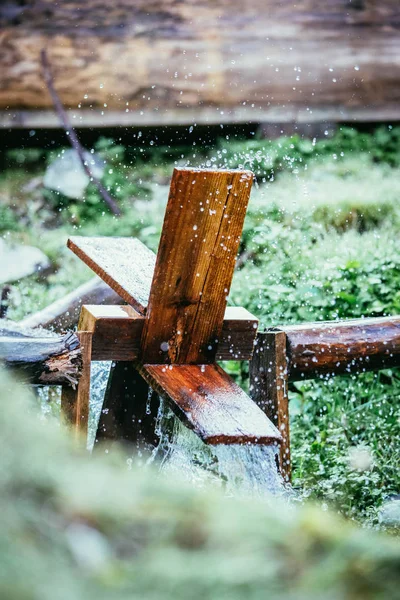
x,y
260,60
320,349
211,403
195,262
129,410
75,403
43,360
125,264
269,388
117,332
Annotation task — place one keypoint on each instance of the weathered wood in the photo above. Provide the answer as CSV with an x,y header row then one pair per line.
x,y
342,347
42,360
210,62
129,410
269,388
117,332
64,313
125,264
195,263
211,403
75,403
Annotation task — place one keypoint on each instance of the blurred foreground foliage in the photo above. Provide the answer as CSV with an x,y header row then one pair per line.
x,y
320,242
75,526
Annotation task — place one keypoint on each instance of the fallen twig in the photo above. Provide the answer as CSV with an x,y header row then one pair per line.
x,y
113,206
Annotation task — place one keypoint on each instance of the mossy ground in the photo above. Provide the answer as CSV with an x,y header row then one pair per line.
x,y
80,526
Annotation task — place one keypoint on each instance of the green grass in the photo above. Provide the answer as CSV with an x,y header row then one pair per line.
x,y
321,241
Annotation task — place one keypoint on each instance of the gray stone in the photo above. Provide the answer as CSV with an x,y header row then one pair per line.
x,y
18,261
67,175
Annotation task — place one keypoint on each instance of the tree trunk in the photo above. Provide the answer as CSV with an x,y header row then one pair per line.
x,y
140,62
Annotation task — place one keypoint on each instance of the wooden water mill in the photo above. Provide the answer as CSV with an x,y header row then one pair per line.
x,y
176,323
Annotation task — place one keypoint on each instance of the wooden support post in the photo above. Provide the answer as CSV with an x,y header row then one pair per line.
x,y
75,403
269,387
194,267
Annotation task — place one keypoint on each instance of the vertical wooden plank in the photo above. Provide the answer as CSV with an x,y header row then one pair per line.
x,y
269,387
129,410
75,403
194,267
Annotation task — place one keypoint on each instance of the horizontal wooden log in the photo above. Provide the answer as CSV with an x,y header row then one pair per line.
x,y
343,347
211,403
64,313
45,361
185,62
117,333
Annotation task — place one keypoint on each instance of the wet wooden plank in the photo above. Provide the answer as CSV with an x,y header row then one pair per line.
x,y
237,337
211,403
195,262
117,331
329,348
75,403
269,388
125,264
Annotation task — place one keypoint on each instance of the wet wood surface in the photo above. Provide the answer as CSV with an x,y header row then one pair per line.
x,y
188,62
269,388
124,264
323,349
42,360
195,263
211,403
117,332
75,402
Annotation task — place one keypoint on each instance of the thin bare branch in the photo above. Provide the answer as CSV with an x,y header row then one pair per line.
x,y
70,131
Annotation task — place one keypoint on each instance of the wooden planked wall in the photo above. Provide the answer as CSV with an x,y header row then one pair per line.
x,y
183,61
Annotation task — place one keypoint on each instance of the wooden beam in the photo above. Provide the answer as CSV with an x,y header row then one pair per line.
x,y
125,264
342,347
75,403
269,388
195,262
211,403
237,337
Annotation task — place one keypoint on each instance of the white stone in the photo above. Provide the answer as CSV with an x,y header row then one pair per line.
x,y
18,261
67,175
